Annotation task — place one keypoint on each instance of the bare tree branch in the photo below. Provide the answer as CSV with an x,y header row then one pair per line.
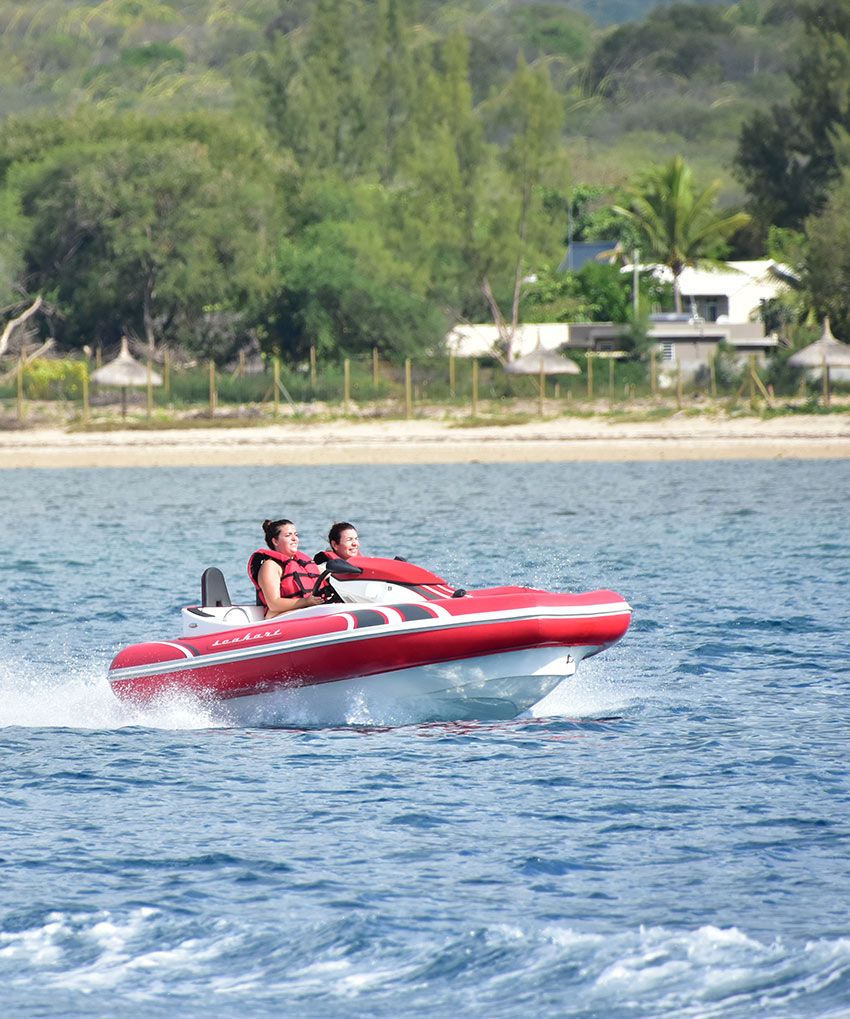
x,y
505,333
14,322
29,357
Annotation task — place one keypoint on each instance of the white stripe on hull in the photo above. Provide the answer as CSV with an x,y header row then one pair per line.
x,y
499,686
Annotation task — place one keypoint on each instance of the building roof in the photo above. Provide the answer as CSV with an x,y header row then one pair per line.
x,y
579,253
731,278
480,340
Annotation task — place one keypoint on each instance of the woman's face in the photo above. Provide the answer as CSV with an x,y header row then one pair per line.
x,y
348,544
286,541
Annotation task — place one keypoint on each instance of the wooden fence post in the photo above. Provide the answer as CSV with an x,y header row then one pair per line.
x,y
313,369
276,377
541,393
653,373
20,387
346,384
765,392
589,375
712,372
213,400
679,384
166,373
150,389
408,389
752,381
452,375
611,379
475,387
86,413
824,374
376,373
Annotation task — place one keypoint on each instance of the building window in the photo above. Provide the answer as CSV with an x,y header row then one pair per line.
x,y
711,308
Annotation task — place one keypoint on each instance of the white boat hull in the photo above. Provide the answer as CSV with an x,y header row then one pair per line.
x,y
491,687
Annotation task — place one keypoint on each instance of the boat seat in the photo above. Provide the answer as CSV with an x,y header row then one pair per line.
x,y
214,591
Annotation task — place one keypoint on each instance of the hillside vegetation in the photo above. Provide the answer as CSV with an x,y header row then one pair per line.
x,y
348,174
681,80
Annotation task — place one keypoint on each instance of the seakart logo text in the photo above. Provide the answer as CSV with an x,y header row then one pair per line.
x,y
246,636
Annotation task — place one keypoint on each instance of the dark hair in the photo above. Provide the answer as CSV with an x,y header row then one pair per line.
x,y
335,533
271,529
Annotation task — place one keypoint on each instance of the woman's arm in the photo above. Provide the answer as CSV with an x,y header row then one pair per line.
x,y
269,580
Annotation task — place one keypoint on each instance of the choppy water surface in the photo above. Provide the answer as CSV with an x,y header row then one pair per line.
x,y
671,837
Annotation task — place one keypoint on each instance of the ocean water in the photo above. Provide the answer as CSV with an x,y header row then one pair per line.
x,y
668,835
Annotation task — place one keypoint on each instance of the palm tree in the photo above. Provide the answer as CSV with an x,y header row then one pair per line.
x,y
677,223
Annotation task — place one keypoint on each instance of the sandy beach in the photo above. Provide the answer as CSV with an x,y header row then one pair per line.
x,y
680,437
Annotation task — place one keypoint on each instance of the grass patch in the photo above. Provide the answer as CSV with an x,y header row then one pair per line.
x,y
501,421
648,414
163,424
809,407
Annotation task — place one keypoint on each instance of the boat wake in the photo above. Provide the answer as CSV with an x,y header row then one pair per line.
x,y
707,972
79,697
72,694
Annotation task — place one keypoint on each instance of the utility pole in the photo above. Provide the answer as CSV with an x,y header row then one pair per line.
x,y
635,282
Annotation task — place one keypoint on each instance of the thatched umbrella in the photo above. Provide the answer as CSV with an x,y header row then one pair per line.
x,y
545,362
823,354
125,371
827,352
542,362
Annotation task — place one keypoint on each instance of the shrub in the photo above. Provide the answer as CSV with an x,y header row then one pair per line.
x,y
54,380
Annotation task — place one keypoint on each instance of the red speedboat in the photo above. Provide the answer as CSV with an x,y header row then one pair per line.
x,y
396,645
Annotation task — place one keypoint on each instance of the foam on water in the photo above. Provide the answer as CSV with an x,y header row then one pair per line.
x,y
81,698
586,696
33,696
144,955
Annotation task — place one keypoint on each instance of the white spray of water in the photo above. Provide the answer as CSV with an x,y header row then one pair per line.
x,y
78,696
585,697
75,694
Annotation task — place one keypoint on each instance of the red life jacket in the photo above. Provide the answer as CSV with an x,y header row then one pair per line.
x,y
298,578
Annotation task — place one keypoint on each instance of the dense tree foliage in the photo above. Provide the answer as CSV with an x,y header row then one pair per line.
x,y
826,273
142,229
790,155
365,174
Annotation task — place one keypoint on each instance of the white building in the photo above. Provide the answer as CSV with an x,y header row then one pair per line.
x,y
730,294
722,306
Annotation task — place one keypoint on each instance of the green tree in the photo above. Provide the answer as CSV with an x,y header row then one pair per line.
x,y
516,234
313,88
789,156
144,238
595,293
393,86
342,281
438,198
679,39
826,274
676,222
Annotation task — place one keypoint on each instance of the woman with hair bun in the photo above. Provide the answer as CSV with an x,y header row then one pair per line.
x,y
283,576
